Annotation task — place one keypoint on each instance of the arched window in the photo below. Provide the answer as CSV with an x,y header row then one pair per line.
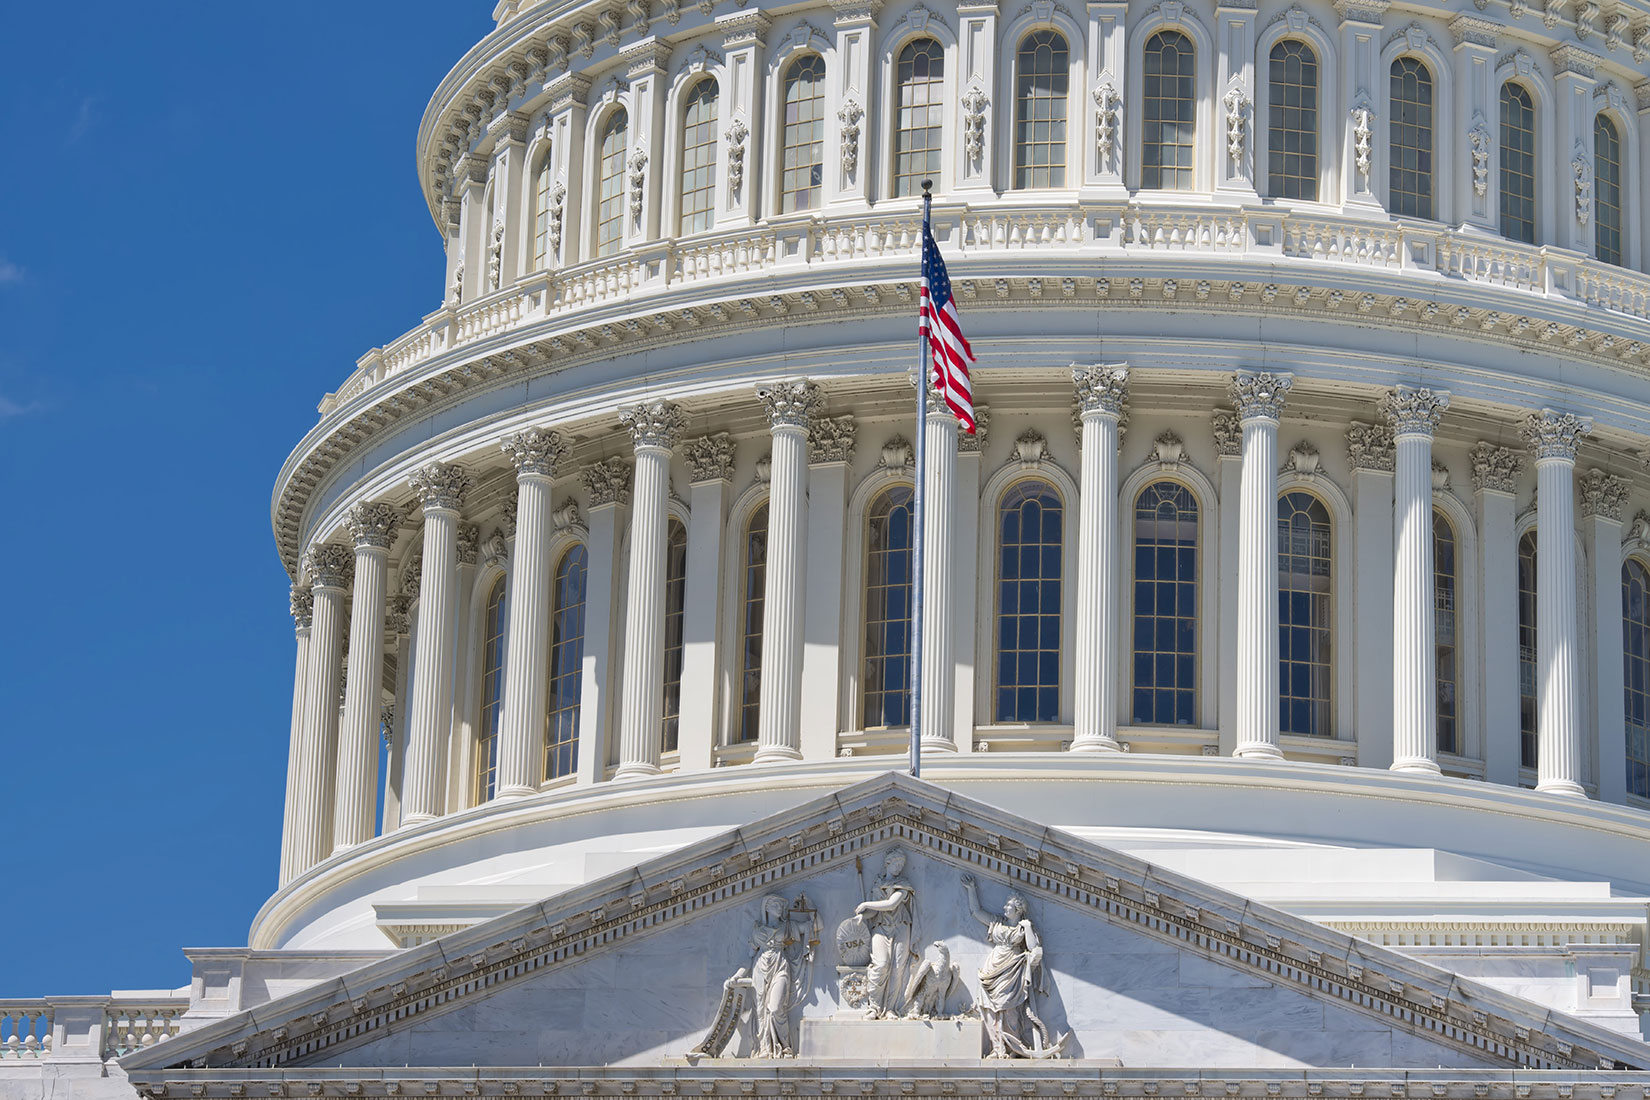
x,y
698,211
1170,112
1165,605
1410,149
802,169
1517,163
561,747
1305,621
1607,190
1042,84
1526,651
610,197
887,683
492,696
1031,529
1292,121
541,213
1444,585
1635,638
750,632
918,77
675,609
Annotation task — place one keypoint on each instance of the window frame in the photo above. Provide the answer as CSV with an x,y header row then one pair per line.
x,y
687,84
1205,122
599,119
861,579
774,145
1636,560
892,52
1263,112
1075,115
1130,502
1623,195
560,551
1500,159
1198,155
1343,638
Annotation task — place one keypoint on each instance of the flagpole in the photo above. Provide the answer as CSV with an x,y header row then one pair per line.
x,y
917,514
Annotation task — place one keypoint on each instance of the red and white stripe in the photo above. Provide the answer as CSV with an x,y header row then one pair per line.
x,y
949,356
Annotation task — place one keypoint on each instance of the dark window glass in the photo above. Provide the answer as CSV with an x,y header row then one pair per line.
x,y
918,113
1170,112
750,666
675,608
1607,190
1410,150
887,677
1526,651
1292,121
1304,614
1042,84
1164,645
561,750
1444,580
1517,163
1030,527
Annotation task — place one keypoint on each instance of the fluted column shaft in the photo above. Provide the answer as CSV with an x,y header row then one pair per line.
x,y
356,800
527,647
302,604
939,551
789,405
329,568
1101,393
441,489
1553,438
653,428
1414,414
1259,400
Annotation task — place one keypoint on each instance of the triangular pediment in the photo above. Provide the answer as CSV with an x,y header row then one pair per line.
x,y
1139,964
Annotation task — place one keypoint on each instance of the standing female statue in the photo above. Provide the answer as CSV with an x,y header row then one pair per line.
x,y
775,941
1012,972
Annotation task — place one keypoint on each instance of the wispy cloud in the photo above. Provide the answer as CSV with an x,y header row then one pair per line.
x,y
10,408
9,272
82,121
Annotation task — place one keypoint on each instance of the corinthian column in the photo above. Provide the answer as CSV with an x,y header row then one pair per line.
x,y
329,570
1413,414
527,650
1258,399
790,405
1553,438
1101,393
372,526
303,604
654,428
441,490
939,551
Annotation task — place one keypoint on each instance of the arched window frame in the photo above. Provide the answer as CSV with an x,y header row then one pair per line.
x,y
1208,594
1635,551
1207,152
915,24
701,67
1468,720
1606,100
1328,162
1342,635
490,580
541,170
566,540
803,39
676,514
1424,48
595,127
731,659
459,743
1585,614
1079,108
991,495
851,693
1524,72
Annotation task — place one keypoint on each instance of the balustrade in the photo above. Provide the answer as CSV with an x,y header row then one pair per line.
x,y
133,1026
25,1030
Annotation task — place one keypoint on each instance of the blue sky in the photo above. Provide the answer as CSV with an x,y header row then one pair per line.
x,y
210,211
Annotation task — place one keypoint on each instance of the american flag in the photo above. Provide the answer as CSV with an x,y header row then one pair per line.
x,y
949,352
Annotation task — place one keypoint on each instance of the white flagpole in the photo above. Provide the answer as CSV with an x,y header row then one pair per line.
x,y
915,673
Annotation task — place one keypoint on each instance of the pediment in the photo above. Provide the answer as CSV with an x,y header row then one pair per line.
x,y
1139,965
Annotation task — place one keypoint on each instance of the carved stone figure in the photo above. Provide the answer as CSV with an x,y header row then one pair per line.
x,y
782,943
1010,979
935,983
889,916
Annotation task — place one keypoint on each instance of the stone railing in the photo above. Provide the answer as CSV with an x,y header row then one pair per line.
x,y
25,1030
82,1029
133,1025
1118,230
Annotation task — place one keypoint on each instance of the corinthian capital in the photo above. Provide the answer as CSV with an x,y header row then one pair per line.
x,y
441,485
303,607
469,543
710,458
1414,410
1554,434
1260,394
1495,469
398,615
373,524
1603,495
1228,434
831,439
331,566
1369,447
1101,389
608,482
790,404
534,452
653,424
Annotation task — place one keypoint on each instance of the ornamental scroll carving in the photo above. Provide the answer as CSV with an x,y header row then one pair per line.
x,y
1238,108
331,566
831,439
735,136
441,485
1479,140
849,116
607,482
974,103
469,543
1259,394
653,424
1370,447
398,616
534,453
1581,165
1552,13
373,524
638,182
1413,410
974,444
1363,132
790,404
1228,433
301,601
1586,15
1603,495
558,204
1553,434
709,458
1495,468
495,258
1103,390
455,293
1107,105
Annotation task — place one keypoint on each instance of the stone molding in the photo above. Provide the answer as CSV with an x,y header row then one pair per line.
x,y
441,486
1495,469
534,453
331,566
655,424
373,524
709,458
398,615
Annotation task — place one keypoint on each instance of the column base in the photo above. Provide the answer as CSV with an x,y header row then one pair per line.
x,y
1096,743
1561,786
514,792
409,820
636,769
1258,750
938,745
1416,764
776,754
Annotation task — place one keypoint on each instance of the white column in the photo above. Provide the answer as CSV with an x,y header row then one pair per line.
x,y
329,569
964,577
534,453
473,171
1602,498
1643,94
790,406
302,603
1369,451
459,729
710,469
1495,472
1413,413
939,555
1102,393
441,489
608,486
372,526
1259,399
1553,437
397,626
830,445
1228,435
654,428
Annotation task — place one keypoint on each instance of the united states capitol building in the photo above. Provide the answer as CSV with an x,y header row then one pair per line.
x,y
1286,676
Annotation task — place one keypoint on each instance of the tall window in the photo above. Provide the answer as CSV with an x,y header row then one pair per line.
x,y
561,744
803,171
1410,152
1292,121
918,77
750,665
1304,614
1517,163
1607,190
675,610
1635,638
1165,605
1526,651
1170,106
492,696
888,610
699,159
1030,527
610,199
1444,582
541,214
1042,84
